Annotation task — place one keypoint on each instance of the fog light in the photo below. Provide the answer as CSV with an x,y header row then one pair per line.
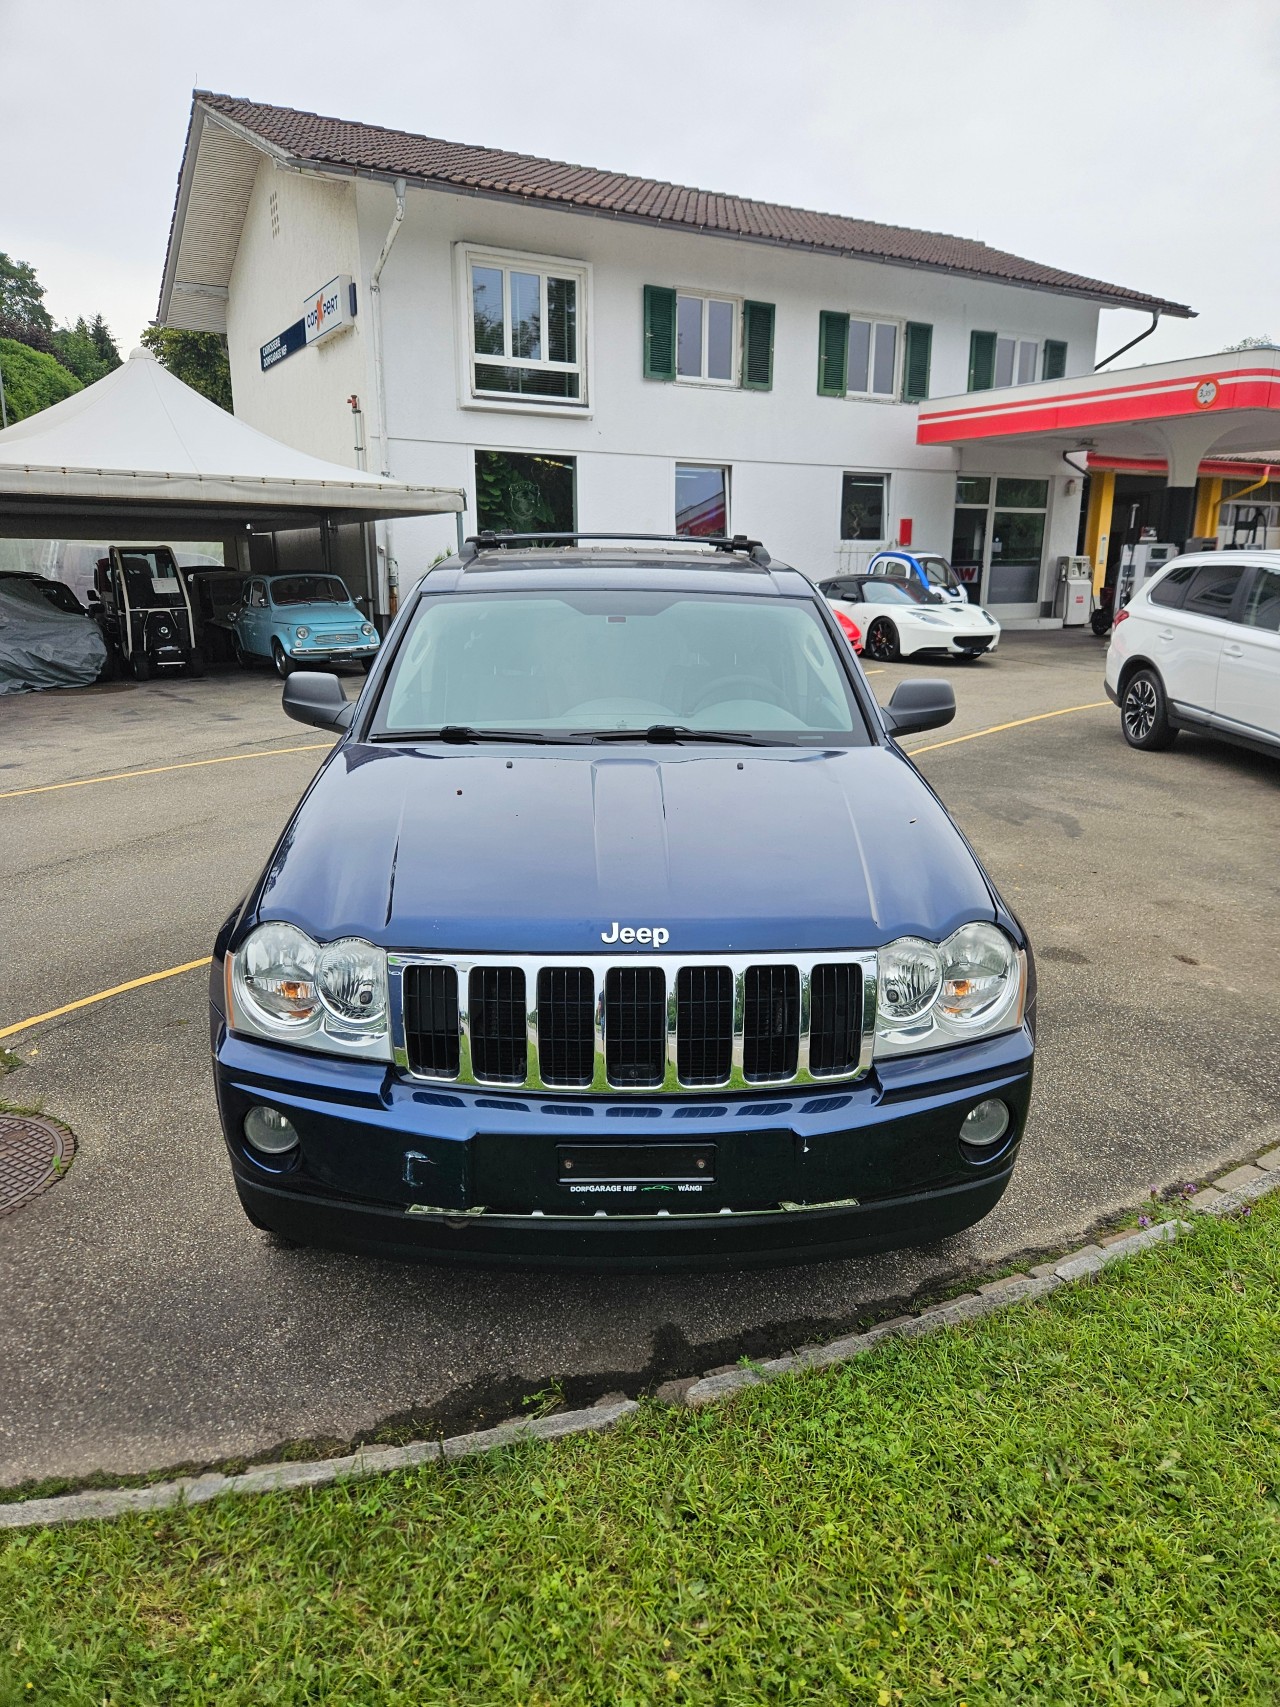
x,y
986,1124
269,1131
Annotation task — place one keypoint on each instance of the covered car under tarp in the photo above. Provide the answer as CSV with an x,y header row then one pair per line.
x,y
43,647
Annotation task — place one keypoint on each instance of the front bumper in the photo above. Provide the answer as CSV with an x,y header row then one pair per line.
x,y
397,1167
330,654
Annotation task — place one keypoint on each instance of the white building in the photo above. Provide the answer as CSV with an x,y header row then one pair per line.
x,y
579,349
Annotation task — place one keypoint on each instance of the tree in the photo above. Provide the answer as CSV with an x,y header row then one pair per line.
x,y
1265,342
198,359
32,379
81,353
22,295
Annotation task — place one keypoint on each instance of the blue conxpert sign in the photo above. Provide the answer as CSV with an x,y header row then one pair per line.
x,y
326,311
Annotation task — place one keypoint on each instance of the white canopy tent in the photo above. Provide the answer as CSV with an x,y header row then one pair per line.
x,y
140,455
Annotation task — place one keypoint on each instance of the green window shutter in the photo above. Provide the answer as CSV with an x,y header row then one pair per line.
x,y
659,332
833,354
1055,359
757,346
982,361
915,366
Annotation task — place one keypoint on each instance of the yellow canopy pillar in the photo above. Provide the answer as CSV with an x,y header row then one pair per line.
x,y
1208,504
1097,530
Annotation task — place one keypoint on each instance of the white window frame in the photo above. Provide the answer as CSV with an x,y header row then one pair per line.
x,y
706,297
900,337
724,468
1020,346
468,255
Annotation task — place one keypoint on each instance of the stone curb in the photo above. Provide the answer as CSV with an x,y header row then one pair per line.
x,y
1231,1193
369,1461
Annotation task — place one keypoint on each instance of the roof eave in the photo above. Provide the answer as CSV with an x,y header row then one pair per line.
x,y
201,115
446,186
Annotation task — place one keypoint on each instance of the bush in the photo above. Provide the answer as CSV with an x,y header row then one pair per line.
x,y
32,380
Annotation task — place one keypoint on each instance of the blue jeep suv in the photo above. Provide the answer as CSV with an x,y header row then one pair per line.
x,y
616,930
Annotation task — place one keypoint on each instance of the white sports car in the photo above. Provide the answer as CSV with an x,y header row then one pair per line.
x,y
897,619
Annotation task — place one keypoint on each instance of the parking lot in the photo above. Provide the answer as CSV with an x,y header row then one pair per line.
x,y
157,1327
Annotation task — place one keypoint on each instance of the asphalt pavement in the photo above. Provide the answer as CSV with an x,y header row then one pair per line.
x,y
146,1324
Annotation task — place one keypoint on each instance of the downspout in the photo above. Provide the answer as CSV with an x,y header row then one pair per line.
x,y
379,378
1155,321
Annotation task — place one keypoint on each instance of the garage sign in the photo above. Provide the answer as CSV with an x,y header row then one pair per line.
x,y
328,310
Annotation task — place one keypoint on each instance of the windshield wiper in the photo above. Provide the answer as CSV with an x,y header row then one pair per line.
x,y
459,734
660,733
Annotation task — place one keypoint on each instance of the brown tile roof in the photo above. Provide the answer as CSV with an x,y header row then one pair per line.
x,y
451,165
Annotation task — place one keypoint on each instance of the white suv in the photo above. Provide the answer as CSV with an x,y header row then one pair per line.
x,y
1198,647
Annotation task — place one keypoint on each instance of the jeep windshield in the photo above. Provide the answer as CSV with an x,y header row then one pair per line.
x,y
658,665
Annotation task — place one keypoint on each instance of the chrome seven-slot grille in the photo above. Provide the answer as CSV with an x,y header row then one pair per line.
x,y
649,1023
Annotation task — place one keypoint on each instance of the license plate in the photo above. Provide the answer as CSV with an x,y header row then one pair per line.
x,y
636,1164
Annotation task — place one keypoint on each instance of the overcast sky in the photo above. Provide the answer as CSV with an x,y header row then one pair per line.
x,y
1132,140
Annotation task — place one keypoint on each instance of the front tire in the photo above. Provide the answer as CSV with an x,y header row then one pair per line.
x,y
141,666
882,642
281,660
1144,713
195,663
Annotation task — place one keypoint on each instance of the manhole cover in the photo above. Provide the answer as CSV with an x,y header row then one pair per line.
x,y
33,1154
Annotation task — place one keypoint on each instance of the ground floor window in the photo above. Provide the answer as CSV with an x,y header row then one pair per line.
x,y
702,499
863,506
999,525
516,493
969,529
1017,542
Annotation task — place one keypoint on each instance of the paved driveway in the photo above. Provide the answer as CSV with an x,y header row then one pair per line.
x,y
146,1324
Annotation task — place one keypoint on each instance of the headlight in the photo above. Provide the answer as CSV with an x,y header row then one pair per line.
x,y
972,985
368,630
910,978
303,633
286,988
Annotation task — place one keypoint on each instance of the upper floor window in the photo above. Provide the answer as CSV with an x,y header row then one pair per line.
x,y
996,360
862,357
706,339
527,333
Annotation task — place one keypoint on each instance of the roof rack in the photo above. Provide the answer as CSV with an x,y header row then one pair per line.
x,y
738,545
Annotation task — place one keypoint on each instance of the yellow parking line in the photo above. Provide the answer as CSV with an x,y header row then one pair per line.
x,y
156,770
115,990
998,728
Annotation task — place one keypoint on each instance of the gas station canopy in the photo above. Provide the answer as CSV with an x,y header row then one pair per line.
x,y
140,454
1180,412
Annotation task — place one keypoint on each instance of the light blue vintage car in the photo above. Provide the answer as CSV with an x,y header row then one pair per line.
x,y
301,620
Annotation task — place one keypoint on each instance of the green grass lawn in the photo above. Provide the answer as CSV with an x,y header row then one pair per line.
x,y
1074,1502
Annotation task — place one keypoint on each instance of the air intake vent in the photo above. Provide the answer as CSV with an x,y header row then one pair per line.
x,y
499,1047
635,1025
431,1020
566,1025
835,1018
770,1022
704,1024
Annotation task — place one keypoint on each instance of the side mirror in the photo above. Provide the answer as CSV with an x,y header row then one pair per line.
x,y
93,596
917,706
311,696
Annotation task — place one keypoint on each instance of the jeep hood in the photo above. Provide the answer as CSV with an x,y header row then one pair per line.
x,y
539,851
